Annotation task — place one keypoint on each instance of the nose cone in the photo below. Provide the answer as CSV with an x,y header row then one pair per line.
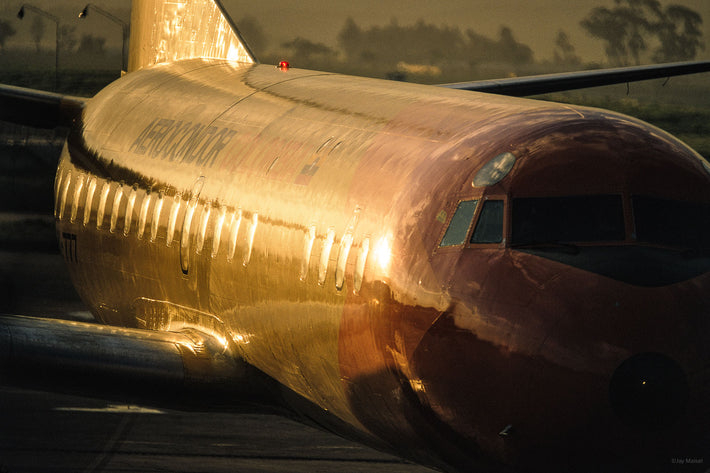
x,y
649,391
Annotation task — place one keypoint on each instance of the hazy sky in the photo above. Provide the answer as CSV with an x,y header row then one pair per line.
x,y
534,22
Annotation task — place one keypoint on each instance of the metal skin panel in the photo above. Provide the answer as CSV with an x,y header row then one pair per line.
x,y
170,31
441,350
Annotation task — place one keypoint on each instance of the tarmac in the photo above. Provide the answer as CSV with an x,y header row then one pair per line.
x,y
52,433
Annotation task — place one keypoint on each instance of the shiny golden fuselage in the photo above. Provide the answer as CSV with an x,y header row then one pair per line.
x,y
296,215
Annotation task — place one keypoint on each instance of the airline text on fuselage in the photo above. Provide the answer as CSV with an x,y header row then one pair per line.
x,y
182,141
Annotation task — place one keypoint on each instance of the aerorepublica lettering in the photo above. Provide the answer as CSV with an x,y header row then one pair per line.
x,y
182,141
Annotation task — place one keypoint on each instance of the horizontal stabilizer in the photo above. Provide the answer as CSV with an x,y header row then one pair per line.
x,y
545,84
143,366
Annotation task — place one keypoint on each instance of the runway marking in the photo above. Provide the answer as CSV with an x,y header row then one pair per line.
x,y
113,409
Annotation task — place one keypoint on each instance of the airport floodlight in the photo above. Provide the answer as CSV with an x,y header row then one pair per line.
x,y
21,15
124,28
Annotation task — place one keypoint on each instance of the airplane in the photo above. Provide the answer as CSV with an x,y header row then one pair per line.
x,y
467,279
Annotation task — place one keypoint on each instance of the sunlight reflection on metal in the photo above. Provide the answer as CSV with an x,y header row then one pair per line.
x,y
325,256
173,219
383,254
360,264
89,200
155,221
102,204
63,196
130,204
75,201
308,240
118,197
234,232
218,227
250,238
143,216
183,30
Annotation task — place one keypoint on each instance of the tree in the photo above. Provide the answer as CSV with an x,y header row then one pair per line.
x,y
37,30
90,44
67,38
306,52
680,34
6,31
350,39
509,50
632,26
253,34
564,53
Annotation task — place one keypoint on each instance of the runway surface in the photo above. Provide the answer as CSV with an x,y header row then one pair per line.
x,y
42,432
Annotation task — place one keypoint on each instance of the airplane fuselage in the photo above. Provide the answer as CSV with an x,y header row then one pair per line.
x,y
305,218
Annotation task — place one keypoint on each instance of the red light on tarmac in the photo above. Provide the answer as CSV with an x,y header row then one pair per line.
x,y
284,65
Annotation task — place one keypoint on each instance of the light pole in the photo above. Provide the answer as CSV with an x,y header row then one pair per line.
x,y
115,19
21,15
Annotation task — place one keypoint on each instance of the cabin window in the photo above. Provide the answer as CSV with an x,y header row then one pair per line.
x,y
360,264
236,222
308,239
102,204
489,228
75,200
117,198
202,231
585,218
325,256
674,223
172,220
89,200
143,215
345,244
130,205
218,226
460,223
155,220
63,196
250,238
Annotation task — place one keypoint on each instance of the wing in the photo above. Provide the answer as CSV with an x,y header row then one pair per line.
x,y
173,369
37,108
543,84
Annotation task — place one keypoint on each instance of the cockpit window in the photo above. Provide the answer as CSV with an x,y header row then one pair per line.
x,y
489,228
668,222
460,222
567,219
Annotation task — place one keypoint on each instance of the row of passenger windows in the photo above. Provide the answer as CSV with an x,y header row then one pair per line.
x,y
157,215
587,218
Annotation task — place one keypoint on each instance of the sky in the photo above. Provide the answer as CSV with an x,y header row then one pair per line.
x,y
533,22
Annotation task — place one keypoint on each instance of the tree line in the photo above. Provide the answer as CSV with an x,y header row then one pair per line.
x,y
632,32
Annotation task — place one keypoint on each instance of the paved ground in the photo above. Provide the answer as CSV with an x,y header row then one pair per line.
x,y
51,433
41,432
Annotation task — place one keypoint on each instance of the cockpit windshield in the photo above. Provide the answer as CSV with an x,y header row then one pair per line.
x,y
673,223
588,218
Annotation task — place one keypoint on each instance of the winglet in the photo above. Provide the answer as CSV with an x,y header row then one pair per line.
x,y
170,30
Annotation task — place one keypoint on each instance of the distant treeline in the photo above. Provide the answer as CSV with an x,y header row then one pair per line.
x,y
632,32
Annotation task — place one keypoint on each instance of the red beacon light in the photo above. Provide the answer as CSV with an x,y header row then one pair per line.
x,y
284,65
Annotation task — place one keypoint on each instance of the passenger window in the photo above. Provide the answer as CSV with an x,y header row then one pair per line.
x,y
460,222
489,228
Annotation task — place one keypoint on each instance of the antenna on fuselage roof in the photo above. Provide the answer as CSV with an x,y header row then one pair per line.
x,y
164,31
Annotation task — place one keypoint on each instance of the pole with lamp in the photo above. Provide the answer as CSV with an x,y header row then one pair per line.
x,y
115,19
21,15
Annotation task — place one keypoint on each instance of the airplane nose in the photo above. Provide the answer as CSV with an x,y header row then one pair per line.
x,y
649,391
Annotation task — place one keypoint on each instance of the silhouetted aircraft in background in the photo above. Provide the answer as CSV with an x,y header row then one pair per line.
x,y
465,279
